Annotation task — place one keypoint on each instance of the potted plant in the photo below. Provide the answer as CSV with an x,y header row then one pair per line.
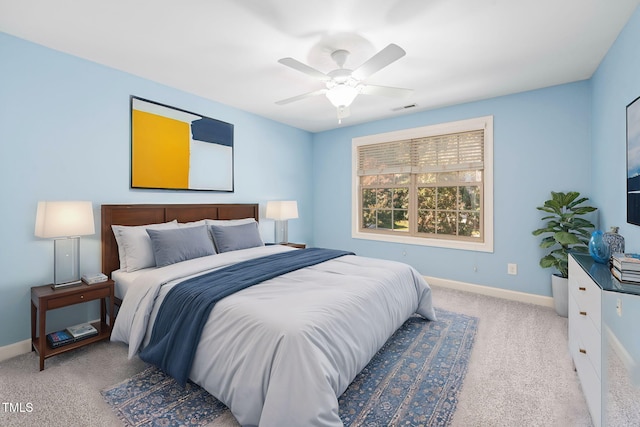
x,y
566,230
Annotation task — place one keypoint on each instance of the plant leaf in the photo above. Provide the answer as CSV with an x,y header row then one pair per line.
x,y
566,238
548,262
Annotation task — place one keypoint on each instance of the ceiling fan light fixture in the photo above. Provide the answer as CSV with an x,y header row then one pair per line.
x,y
343,84
342,95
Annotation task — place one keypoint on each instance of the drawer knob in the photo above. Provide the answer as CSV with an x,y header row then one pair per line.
x,y
583,313
582,288
583,351
81,296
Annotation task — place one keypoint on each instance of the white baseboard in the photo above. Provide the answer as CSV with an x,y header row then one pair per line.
x,y
22,347
15,349
493,292
627,360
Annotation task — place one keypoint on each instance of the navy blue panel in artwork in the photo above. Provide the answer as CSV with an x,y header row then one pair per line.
x,y
209,130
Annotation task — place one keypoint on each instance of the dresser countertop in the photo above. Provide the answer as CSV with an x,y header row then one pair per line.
x,y
601,274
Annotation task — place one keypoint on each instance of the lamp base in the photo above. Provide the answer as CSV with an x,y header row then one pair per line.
x,y
282,231
66,267
64,285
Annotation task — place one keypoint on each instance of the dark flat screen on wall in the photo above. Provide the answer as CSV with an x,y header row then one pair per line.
x,y
633,162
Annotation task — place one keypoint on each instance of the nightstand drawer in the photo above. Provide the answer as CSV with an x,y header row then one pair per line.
x,y
86,295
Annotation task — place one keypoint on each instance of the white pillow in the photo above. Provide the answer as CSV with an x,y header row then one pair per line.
x,y
229,222
134,245
194,223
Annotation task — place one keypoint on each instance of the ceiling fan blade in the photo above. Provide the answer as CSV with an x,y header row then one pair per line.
x,y
303,96
297,65
391,92
386,56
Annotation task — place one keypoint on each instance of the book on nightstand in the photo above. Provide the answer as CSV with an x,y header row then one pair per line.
x,y
60,338
81,331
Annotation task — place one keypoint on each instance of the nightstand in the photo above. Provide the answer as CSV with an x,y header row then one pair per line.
x,y
44,298
295,245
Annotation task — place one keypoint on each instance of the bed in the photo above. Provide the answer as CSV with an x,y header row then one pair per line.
x,y
279,352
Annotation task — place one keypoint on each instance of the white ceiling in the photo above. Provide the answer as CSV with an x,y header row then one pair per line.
x,y
228,50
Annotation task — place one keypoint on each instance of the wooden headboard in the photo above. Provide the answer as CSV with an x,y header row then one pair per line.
x,y
157,213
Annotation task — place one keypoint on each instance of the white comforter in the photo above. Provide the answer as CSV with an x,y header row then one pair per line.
x,y
281,352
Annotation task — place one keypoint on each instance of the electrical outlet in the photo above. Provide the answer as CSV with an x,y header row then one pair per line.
x,y
512,269
619,307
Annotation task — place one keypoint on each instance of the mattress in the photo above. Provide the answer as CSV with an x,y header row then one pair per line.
x,y
123,280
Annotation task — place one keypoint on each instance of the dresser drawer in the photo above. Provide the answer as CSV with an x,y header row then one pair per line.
x,y
590,382
585,340
587,294
82,296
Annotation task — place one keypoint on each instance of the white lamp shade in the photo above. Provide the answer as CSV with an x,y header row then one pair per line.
x,y
64,219
282,210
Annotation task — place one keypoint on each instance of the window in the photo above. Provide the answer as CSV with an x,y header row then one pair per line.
x,y
430,186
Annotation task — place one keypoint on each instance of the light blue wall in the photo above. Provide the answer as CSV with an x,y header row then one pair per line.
x,y
541,143
615,84
64,135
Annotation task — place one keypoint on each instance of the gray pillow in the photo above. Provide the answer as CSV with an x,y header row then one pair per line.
x,y
235,237
180,244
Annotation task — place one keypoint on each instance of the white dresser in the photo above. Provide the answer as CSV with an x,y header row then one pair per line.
x,y
603,319
585,335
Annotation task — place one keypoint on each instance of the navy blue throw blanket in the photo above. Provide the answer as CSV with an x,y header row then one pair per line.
x,y
186,307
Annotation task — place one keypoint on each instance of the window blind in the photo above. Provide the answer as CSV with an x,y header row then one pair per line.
x,y
439,153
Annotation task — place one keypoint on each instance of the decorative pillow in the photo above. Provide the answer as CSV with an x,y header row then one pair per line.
x,y
134,245
180,244
199,223
234,237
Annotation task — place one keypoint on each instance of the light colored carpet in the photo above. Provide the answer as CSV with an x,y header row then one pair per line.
x,y
520,373
414,378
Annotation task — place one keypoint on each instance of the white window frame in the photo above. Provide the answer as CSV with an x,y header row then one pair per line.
x,y
485,123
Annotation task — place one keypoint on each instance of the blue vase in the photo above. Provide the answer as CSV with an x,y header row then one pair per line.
x,y
598,248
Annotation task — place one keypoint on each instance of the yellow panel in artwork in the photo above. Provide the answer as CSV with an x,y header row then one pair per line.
x,y
159,152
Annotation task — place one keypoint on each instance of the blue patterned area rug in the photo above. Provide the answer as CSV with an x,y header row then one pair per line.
x,y
414,380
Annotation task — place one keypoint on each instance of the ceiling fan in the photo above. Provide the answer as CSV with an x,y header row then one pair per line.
x,y
343,84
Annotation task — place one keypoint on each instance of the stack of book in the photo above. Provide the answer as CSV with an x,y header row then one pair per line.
x,y
71,334
626,267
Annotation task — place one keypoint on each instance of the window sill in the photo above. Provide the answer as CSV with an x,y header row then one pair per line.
x,y
440,243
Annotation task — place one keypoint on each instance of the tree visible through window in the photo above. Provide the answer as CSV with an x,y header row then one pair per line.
x,y
430,186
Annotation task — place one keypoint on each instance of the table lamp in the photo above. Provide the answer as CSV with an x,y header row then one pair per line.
x,y
281,212
65,222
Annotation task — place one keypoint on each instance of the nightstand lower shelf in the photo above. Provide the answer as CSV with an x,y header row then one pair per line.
x,y
104,333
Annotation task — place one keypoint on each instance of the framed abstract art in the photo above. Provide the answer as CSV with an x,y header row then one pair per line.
x,y
175,149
